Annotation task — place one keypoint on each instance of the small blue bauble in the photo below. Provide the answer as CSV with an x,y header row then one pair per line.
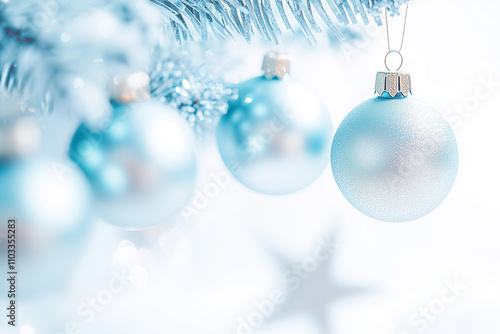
x,y
394,159
141,164
274,138
51,208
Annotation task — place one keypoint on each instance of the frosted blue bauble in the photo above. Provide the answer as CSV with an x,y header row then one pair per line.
x,y
394,159
275,137
51,208
141,164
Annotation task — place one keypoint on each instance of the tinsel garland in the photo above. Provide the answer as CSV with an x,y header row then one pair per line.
x,y
193,87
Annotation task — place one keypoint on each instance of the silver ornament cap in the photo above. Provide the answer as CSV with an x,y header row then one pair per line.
x,y
130,88
276,65
392,83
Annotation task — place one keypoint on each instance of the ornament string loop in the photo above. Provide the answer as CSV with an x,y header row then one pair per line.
x,y
389,40
400,63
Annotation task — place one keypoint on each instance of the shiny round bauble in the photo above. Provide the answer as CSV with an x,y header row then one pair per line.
x,y
49,208
275,137
394,159
141,164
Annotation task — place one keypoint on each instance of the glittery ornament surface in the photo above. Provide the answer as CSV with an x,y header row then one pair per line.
x,y
394,159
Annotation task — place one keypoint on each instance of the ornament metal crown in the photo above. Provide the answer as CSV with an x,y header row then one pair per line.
x,y
130,88
393,83
276,65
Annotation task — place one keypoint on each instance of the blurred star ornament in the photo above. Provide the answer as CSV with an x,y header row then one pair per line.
x,y
274,138
394,157
141,164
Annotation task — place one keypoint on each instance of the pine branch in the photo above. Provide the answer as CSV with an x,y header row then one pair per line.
x,y
188,19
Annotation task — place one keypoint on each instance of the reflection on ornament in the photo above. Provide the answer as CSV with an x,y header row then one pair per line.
x,y
141,164
395,158
274,138
19,137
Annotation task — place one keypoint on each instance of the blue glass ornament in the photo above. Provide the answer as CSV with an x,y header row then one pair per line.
x,y
141,164
51,209
394,158
275,137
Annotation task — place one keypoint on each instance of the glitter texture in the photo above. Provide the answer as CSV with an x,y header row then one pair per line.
x,y
394,159
195,90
